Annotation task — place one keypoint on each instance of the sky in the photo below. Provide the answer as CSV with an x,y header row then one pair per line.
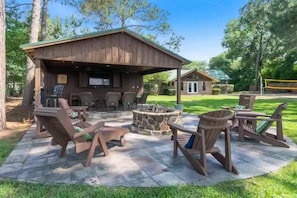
x,y
200,22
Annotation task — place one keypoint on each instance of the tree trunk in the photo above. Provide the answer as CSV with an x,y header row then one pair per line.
x,y
2,66
258,61
29,84
43,20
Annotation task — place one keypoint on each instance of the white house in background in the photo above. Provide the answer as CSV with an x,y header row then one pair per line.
x,y
193,82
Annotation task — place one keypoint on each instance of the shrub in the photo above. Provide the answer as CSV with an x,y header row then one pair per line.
x,y
155,89
170,92
147,87
216,91
225,88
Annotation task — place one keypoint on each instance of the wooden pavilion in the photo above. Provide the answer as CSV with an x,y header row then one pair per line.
x,y
113,60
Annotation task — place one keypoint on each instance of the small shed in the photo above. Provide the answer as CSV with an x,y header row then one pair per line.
x,y
113,60
193,82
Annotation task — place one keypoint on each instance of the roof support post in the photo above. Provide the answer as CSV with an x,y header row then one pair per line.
x,y
37,96
178,77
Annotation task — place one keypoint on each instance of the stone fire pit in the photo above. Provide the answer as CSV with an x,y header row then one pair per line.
x,y
152,119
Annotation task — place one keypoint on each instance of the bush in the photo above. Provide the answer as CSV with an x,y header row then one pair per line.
x,y
230,88
155,90
170,92
216,91
147,87
225,88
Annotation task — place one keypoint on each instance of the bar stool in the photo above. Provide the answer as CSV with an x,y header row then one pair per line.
x,y
52,100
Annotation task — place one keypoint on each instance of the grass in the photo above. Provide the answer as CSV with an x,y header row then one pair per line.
x,y
280,184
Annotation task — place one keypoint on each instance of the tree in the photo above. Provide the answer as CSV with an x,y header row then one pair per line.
x,y
249,39
263,38
139,15
152,82
2,66
221,62
200,65
71,26
16,33
157,78
43,19
283,16
30,73
282,68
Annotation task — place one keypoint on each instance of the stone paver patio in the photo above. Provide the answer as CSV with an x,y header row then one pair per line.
x,y
144,161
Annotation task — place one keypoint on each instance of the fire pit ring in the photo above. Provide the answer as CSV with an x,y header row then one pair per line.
x,y
153,119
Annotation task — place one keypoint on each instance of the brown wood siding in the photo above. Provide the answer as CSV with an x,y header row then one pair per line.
x,y
117,48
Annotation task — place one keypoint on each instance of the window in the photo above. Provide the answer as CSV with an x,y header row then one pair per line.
x,y
99,79
61,79
181,86
192,87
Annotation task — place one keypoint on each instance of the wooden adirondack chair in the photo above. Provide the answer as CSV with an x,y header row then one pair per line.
x,y
73,111
203,140
256,127
60,126
245,103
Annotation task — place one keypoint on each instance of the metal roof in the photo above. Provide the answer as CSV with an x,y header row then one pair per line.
x,y
218,74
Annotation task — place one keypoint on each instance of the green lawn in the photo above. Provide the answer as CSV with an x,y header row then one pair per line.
x,y
280,184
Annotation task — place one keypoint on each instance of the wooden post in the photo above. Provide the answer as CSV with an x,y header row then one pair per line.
x,y
37,95
178,91
39,132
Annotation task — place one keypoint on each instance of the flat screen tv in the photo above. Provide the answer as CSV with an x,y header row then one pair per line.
x,y
99,79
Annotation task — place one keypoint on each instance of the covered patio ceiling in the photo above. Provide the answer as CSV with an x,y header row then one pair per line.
x,y
54,65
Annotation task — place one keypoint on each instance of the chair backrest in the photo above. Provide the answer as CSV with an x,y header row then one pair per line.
x,y
112,98
63,103
213,123
56,122
86,98
277,114
143,98
58,90
49,91
128,98
247,100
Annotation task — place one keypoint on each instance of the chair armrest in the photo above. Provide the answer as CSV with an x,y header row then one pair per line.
x,y
227,107
244,110
257,118
90,129
181,128
75,121
78,108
